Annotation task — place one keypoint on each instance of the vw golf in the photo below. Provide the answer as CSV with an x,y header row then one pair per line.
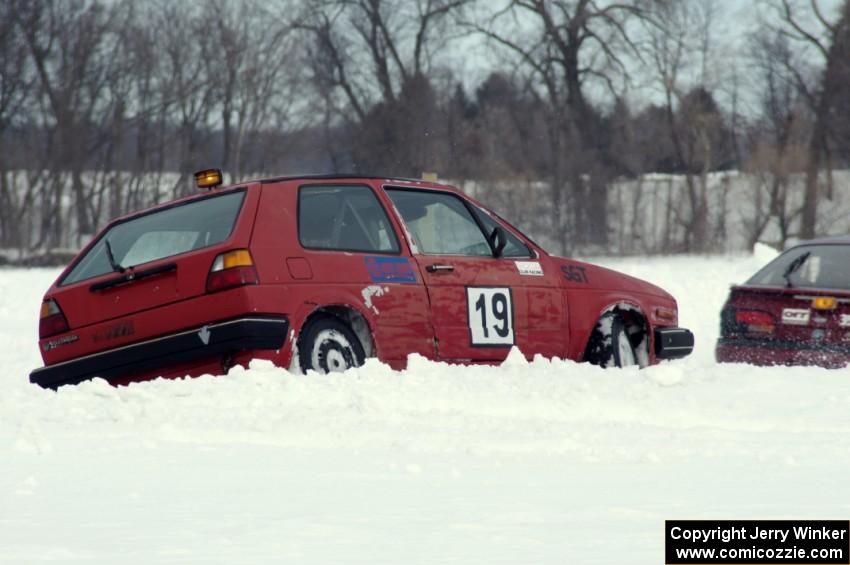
x,y
321,272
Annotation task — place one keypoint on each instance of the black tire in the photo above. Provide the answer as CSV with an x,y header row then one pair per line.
x,y
610,347
328,345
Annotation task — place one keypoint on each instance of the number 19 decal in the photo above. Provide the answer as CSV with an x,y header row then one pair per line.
x,y
491,315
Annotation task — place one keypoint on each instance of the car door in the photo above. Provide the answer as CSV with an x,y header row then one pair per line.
x,y
479,303
547,314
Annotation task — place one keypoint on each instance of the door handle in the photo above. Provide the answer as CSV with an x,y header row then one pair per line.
x,y
438,268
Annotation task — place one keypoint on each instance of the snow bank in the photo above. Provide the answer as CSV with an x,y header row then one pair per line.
x,y
541,462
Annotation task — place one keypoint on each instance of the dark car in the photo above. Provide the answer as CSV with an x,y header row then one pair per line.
x,y
794,311
320,272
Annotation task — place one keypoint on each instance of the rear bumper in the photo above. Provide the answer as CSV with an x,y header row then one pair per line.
x,y
766,353
209,341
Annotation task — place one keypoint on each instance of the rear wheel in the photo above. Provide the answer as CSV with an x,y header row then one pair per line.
x,y
327,345
609,344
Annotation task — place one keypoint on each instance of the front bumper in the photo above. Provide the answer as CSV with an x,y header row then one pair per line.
x,y
673,343
213,340
767,353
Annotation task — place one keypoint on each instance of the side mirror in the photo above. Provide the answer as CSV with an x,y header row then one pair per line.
x,y
498,241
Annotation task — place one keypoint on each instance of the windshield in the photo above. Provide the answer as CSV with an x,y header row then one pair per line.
x,y
820,266
163,233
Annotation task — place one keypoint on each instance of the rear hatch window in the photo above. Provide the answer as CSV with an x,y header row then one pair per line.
x,y
791,314
160,234
813,266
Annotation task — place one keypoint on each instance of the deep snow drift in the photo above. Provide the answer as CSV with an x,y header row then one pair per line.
x,y
547,462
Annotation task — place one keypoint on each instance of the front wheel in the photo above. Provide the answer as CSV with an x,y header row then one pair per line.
x,y
609,344
327,345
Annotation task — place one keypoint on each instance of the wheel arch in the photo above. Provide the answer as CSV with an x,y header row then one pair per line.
x,y
349,315
637,328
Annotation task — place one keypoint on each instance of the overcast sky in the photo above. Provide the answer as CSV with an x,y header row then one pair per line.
x,y
736,22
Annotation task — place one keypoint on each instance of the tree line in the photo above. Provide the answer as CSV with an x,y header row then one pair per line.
x,y
547,109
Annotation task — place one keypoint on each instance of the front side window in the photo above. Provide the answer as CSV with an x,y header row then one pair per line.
x,y
344,218
513,246
822,266
440,223
160,234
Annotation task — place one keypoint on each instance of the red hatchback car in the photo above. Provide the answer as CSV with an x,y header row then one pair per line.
x,y
320,272
795,311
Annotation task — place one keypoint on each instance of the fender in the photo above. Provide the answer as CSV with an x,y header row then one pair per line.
x,y
397,319
313,302
591,306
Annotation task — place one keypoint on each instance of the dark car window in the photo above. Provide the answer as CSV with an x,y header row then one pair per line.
x,y
513,247
162,233
822,266
440,223
345,218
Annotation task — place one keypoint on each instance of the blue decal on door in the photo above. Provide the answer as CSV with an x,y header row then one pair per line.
x,y
389,269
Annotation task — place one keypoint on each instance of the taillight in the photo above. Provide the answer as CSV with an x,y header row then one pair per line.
x,y
824,303
52,321
230,269
755,321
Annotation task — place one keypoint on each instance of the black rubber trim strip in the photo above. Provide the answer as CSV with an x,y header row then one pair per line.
x,y
789,345
342,176
673,343
256,332
133,276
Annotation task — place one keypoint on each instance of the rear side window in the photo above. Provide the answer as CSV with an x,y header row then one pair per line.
x,y
823,266
344,218
160,234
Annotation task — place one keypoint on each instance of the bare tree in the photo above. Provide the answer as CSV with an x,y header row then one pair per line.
x,y
780,139
105,102
568,45
189,90
371,62
16,80
246,57
831,41
680,47
66,42
140,93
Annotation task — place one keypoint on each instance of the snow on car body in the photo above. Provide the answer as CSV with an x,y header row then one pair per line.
x,y
323,271
794,311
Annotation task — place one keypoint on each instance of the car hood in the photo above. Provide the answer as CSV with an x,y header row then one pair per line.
x,y
609,279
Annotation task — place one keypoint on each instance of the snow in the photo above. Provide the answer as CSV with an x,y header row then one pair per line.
x,y
530,462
